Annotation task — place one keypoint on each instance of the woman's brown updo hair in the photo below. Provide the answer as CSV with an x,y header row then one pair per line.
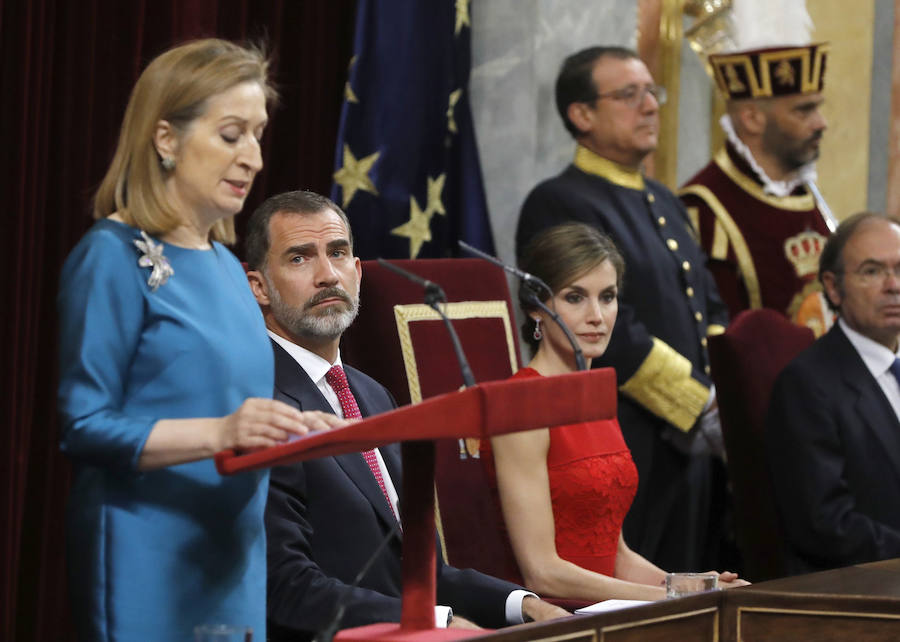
x,y
562,254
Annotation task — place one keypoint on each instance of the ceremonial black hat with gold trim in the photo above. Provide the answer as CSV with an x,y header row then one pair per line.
x,y
772,71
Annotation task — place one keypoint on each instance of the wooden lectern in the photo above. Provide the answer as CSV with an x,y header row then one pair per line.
x,y
482,411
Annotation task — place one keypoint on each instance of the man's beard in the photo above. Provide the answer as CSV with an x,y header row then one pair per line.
x,y
328,323
791,153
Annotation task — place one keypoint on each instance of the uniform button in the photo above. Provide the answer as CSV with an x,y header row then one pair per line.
x,y
689,291
672,243
698,316
651,198
661,220
706,369
703,342
686,266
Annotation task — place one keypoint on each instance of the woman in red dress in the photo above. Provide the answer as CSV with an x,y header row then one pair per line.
x,y
565,492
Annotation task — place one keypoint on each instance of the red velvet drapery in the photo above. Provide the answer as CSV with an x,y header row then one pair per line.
x,y
66,69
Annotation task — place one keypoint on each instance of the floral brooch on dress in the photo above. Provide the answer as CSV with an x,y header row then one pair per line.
x,y
152,257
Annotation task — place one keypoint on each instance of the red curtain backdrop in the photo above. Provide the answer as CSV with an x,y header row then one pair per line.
x,y
66,69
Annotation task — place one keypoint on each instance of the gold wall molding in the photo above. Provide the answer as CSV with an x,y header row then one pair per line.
x,y
843,165
893,180
660,36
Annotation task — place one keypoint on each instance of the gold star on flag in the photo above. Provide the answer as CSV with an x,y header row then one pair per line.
x,y
454,98
349,96
435,187
417,229
354,175
462,15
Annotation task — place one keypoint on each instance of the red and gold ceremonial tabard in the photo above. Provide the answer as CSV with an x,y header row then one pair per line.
x,y
763,249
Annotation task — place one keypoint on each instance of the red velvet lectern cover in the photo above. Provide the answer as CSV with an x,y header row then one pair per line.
x,y
492,408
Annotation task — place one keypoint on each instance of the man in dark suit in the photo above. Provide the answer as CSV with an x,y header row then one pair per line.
x,y
833,435
326,517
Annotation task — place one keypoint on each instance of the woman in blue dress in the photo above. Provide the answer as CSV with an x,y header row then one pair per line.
x,y
165,361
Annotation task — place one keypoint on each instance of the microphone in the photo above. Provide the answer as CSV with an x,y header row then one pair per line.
x,y
530,294
434,295
534,284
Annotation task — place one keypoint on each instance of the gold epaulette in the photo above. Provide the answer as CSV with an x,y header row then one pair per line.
x,y
663,385
727,232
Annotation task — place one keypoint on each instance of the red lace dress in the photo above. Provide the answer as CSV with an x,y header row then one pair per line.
x,y
592,484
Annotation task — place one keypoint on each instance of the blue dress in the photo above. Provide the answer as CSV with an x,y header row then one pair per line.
x,y
152,555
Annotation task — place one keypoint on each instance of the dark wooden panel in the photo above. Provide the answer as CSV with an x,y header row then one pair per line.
x,y
781,624
879,579
692,626
858,603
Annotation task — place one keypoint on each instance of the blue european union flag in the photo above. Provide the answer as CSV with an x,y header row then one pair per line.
x,y
406,163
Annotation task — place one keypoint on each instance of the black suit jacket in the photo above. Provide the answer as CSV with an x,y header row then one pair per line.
x,y
326,516
833,443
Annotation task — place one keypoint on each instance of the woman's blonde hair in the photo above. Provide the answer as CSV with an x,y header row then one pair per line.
x,y
174,87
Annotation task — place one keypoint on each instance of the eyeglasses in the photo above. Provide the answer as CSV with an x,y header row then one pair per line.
x,y
633,95
872,273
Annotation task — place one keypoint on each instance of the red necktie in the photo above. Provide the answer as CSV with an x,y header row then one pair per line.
x,y
338,382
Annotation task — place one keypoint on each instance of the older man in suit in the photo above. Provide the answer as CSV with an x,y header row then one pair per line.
x,y
326,517
833,434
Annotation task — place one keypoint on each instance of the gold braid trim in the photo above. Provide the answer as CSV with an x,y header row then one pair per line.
x,y
719,248
694,216
664,386
406,314
793,203
588,161
439,526
741,251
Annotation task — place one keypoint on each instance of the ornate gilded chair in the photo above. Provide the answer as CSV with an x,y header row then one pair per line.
x,y
402,343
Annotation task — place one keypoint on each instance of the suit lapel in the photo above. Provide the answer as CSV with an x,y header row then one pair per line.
x,y
871,403
292,381
389,453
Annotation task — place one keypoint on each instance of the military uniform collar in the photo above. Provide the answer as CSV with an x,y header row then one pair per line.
x,y
592,163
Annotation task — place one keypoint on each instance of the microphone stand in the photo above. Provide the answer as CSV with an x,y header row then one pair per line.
x,y
434,295
327,633
530,294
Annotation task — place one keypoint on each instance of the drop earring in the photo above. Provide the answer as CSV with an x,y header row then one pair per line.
x,y
538,335
168,163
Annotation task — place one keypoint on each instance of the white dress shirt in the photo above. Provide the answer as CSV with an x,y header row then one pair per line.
x,y
878,360
316,367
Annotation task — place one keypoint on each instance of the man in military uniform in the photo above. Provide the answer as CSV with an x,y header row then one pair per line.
x,y
609,103
754,205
